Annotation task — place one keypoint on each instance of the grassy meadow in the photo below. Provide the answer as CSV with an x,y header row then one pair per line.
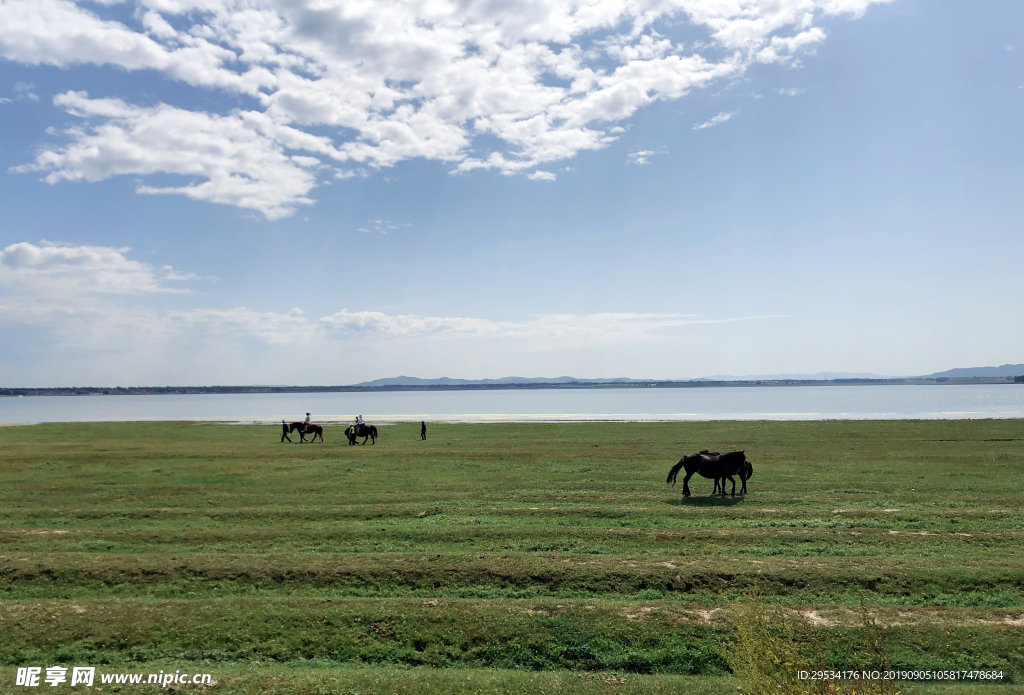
x,y
503,558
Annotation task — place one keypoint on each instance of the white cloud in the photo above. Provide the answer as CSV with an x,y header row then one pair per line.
x,y
574,329
641,157
542,176
4,100
24,92
61,271
75,291
717,120
381,226
97,314
790,91
478,85
239,159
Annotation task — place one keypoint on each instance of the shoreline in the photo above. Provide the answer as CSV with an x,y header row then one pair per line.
x,y
496,419
22,392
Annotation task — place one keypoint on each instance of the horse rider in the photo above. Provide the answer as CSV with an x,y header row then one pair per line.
x,y
284,432
359,423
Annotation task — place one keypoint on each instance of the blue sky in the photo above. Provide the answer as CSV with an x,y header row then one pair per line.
x,y
218,191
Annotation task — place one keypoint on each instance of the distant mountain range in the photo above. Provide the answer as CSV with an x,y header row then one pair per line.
x,y
969,375
819,376
1006,370
445,381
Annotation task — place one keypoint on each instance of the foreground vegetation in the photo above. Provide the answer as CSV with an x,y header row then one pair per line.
x,y
504,558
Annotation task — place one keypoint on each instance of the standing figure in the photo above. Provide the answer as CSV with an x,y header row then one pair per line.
x,y
284,432
423,429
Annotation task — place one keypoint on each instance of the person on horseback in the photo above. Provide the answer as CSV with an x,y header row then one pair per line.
x,y
359,424
306,423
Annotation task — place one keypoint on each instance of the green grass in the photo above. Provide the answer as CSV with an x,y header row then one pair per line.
x,y
501,558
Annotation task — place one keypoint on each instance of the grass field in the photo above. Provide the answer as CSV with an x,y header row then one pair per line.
x,y
502,558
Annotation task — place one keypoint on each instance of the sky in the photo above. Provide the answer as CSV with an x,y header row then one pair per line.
x,y
200,192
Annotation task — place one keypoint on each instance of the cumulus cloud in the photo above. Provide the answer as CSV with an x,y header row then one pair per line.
x,y
56,270
542,176
790,91
477,85
238,159
717,120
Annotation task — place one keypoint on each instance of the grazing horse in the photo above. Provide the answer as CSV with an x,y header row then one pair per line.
x,y
364,431
305,429
719,482
711,466
745,473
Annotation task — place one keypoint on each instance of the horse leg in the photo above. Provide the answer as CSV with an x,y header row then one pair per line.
x,y
733,481
686,484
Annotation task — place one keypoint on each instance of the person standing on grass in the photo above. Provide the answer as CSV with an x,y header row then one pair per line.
x,y
423,429
284,432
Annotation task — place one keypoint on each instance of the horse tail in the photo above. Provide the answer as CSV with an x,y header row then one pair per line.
x,y
674,472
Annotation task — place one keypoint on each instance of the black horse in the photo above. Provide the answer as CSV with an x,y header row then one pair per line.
x,y
364,431
745,473
715,467
304,429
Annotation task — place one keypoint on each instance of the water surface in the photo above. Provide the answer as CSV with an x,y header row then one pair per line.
x,y
869,402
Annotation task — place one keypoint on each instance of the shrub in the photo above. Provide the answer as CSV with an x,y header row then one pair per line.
x,y
773,646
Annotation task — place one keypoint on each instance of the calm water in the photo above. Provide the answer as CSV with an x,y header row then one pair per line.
x,y
754,403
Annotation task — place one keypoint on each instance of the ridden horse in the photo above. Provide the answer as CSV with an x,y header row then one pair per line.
x,y
364,431
713,467
305,429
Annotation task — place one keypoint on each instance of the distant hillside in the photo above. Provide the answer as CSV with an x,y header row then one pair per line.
x,y
818,376
445,381
1005,370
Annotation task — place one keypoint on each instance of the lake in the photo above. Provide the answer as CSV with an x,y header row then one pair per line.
x,y
868,402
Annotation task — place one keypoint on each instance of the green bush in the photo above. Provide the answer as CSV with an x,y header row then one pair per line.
x,y
773,647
